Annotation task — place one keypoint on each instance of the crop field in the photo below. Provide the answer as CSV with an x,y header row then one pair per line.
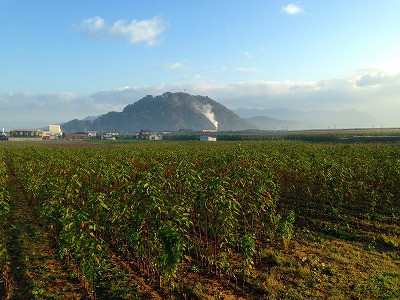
x,y
192,220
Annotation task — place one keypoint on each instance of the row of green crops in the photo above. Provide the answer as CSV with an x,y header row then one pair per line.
x,y
4,211
333,181
169,205
159,208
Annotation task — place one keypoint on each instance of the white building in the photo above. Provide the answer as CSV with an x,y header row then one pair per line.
x,y
53,133
92,134
110,136
3,135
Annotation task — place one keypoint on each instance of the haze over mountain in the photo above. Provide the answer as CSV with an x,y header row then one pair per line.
x,y
316,119
268,123
167,112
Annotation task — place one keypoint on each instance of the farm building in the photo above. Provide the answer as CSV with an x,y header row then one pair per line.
x,y
205,138
155,137
109,136
92,134
26,133
76,136
145,134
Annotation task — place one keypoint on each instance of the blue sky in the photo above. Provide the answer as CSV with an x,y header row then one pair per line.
x,y
76,58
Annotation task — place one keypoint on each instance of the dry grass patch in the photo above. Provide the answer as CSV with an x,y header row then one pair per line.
x,y
328,268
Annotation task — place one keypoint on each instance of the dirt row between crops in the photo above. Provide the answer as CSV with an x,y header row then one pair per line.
x,y
36,272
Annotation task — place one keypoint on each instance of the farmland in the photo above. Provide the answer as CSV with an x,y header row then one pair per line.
x,y
183,220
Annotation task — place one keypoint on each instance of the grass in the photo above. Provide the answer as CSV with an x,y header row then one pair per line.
x,y
359,263
319,265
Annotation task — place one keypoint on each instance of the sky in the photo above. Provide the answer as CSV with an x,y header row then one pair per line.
x,y
61,60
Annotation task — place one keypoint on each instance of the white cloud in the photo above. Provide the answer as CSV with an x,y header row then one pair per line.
x,y
373,78
174,66
369,90
146,31
92,26
139,31
292,9
329,94
124,88
39,110
249,69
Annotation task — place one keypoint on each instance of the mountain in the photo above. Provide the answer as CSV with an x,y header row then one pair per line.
x,y
167,112
267,123
76,125
90,118
318,119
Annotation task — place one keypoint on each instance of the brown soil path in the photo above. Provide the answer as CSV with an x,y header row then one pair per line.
x,y
36,271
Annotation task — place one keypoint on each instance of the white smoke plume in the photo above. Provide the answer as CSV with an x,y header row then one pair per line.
x,y
206,111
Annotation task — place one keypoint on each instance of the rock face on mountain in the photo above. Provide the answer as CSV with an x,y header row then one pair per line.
x,y
167,112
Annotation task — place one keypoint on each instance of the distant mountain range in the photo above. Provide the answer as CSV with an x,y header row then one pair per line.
x,y
267,123
279,118
167,112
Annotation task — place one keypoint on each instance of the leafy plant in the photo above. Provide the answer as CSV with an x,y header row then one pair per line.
x,y
286,228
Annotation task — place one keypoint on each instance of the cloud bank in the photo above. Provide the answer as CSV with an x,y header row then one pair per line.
x,y
368,90
146,31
